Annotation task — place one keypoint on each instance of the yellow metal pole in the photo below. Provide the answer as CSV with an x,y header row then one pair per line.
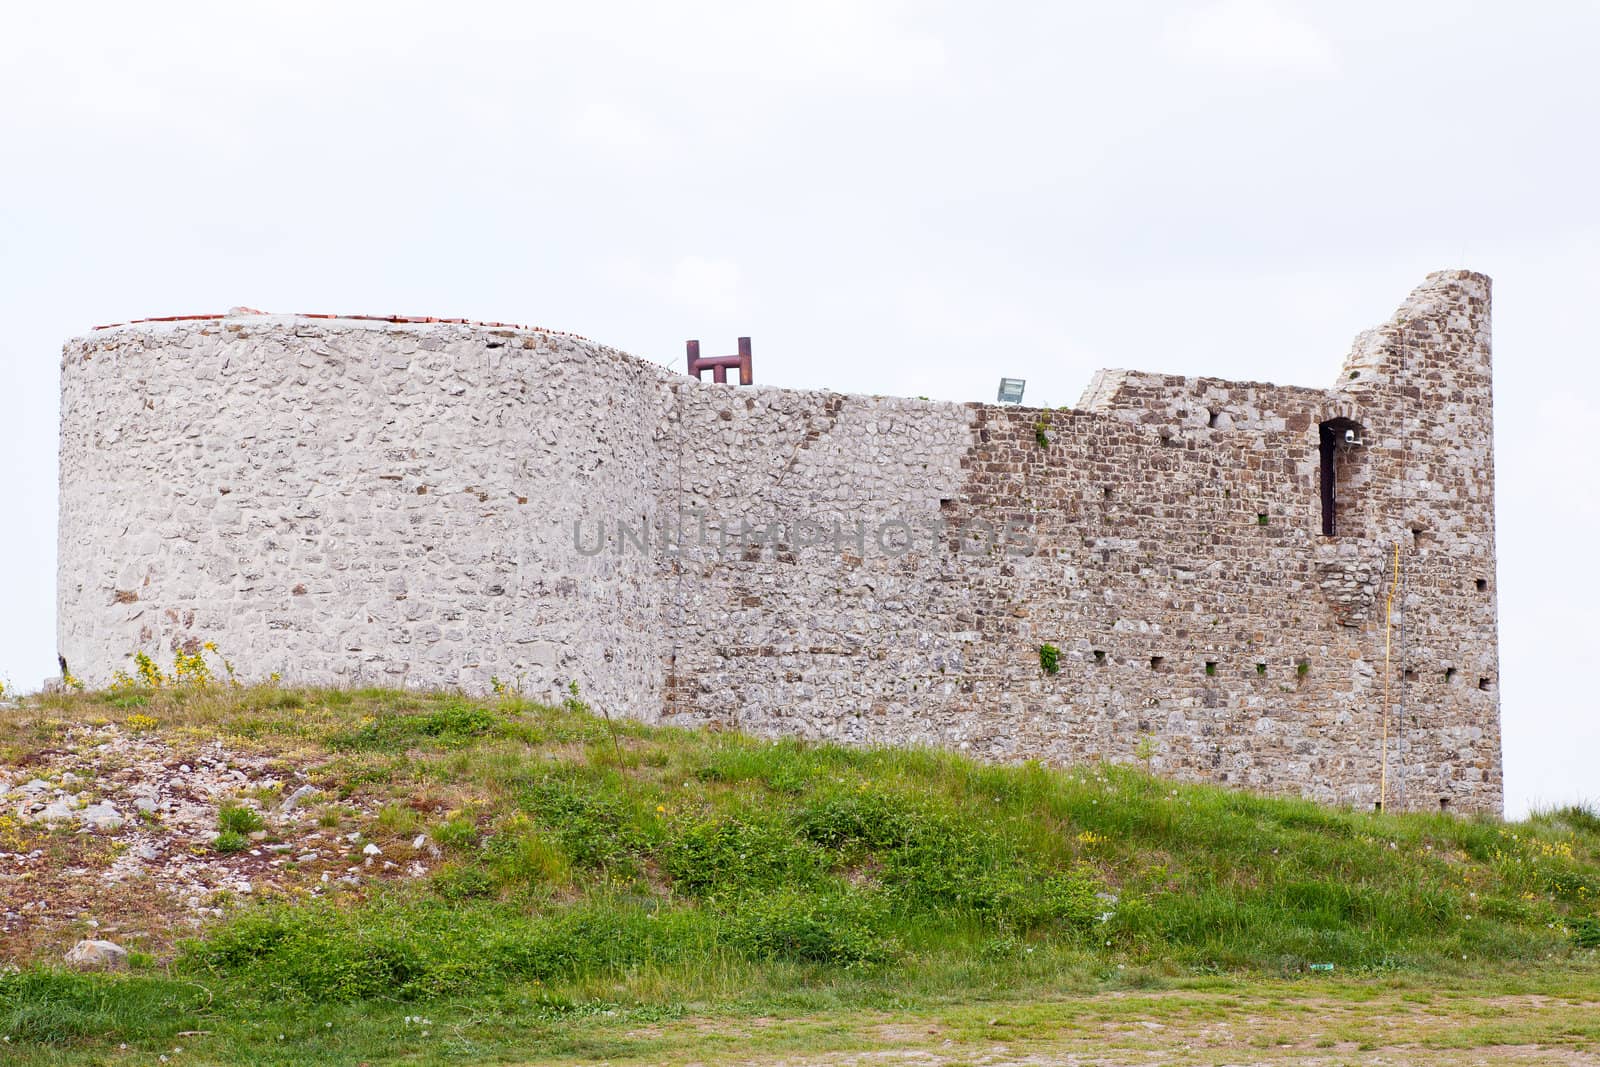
x,y
1388,616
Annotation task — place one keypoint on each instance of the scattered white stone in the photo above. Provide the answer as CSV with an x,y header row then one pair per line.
x,y
102,816
98,955
138,778
57,811
293,800
418,841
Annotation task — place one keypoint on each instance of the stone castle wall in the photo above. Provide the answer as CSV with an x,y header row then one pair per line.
x,y
435,504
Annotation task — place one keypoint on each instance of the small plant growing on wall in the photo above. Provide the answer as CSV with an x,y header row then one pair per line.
x,y
1049,659
1040,437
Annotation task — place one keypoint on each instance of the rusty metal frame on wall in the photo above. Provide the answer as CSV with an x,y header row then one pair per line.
x,y
719,365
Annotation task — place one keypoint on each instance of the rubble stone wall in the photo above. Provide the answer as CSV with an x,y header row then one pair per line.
x,y
442,505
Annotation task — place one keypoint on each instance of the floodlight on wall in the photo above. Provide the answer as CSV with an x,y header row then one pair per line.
x,y
1011,390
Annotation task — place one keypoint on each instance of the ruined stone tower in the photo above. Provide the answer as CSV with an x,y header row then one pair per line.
x,y
440,503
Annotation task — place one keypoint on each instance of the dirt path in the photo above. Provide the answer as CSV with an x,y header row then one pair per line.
x,y
1405,1027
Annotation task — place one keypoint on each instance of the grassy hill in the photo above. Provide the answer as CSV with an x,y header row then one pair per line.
x,y
571,886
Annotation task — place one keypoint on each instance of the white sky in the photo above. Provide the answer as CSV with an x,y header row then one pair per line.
x,y
889,197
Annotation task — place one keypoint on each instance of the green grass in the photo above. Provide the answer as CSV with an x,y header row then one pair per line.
x,y
657,874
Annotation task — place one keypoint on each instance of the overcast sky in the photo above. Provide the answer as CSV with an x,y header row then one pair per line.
x,y
888,197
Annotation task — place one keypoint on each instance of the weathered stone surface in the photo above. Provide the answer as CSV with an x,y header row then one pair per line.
x,y
58,810
293,800
439,504
101,816
98,956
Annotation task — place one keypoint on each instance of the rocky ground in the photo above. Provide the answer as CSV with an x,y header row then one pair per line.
x,y
111,833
